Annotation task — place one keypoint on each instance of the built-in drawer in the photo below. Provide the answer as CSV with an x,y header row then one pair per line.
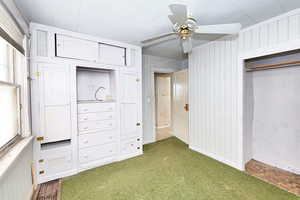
x,y
54,161
97,138
97,152
95,107
96,116
96,125
131,145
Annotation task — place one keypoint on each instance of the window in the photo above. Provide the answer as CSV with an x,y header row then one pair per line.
x,y
10,125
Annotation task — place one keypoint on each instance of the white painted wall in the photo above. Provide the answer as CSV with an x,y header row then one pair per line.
x,y
153,64
16,182
219,116
215,95
276,127
163,101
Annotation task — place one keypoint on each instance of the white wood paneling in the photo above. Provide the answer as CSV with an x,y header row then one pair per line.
x,y
220,121
268,34
215,100
16,182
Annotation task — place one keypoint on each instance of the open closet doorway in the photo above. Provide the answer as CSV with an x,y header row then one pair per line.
x,y
163,105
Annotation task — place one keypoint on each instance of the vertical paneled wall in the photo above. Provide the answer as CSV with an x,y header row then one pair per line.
x,y
271,33
220,109
215,83
16,182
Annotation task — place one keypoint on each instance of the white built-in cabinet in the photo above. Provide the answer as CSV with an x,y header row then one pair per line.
x,y
55,102
71,47
112,54
129,104
86,101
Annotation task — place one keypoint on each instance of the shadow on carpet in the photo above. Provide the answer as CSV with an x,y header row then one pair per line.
x,y
169,170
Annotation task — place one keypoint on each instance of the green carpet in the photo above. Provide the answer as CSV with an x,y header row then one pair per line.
x,y
168,170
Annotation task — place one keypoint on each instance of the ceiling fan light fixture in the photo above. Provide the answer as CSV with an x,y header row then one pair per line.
x,y
185,27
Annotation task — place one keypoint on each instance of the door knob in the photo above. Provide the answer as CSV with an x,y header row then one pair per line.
x,y
186,107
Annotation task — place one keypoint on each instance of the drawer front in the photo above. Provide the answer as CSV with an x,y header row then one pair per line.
x,y
97,152
95,107
96,125
130,146
96,116
54,164
93,139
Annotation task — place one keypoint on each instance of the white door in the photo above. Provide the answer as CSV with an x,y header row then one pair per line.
x,y
130,119
55,111
180,105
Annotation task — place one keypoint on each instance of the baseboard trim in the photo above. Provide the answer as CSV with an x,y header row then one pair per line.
x,y
217,158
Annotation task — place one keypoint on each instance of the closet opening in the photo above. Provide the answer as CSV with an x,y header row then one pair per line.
x,y
163,107
271,118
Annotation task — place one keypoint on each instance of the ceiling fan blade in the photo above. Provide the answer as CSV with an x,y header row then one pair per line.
x,y
179,12
219,29
172,18
158,37
187,45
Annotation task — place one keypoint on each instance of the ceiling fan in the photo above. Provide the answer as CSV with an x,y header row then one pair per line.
x,y
185,27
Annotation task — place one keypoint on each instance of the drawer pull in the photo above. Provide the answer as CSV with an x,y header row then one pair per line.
x,y
131,145
138,139
41,160
85,118
41,172
138,147
138,124
85,128
86,141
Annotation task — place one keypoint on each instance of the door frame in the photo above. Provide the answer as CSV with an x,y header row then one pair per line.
x,y
161,71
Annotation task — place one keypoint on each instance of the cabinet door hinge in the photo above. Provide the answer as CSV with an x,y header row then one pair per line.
x,y
40,138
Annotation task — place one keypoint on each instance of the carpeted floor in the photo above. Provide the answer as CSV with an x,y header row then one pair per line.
x,y
169,170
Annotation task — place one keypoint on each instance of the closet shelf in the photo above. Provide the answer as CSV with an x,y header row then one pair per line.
x,y
274,65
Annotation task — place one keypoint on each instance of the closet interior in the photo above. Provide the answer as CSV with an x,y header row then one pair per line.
x,y
272,108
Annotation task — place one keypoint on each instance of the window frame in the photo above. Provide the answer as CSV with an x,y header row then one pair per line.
x,y
11,56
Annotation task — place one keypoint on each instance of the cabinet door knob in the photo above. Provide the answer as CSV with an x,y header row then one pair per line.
x,y
138,124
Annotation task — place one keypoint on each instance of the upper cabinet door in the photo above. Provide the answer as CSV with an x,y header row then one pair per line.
x,y
113,55
70,47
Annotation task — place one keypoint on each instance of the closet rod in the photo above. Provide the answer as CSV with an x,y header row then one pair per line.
x,y
273,65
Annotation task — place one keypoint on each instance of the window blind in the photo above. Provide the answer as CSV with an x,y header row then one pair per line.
x,y
9,109
9,29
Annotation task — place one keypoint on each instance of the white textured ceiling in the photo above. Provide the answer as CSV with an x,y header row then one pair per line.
x,y
135,20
